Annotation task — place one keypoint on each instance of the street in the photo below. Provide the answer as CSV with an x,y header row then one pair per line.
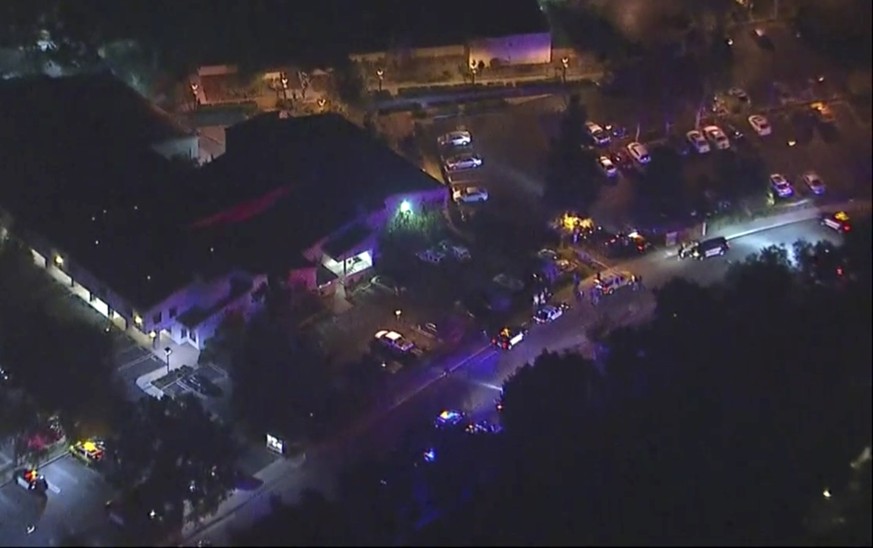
x,y
478,373
72,508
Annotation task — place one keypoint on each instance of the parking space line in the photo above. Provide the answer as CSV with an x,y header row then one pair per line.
x,y
134,362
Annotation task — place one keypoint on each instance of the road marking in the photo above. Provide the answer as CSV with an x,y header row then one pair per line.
x,y
53,488
142,359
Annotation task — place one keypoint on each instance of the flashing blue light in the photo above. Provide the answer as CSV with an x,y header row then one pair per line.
x,y
430,455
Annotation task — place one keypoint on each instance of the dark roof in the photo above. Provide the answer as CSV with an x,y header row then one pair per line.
x,y
103,107
146,228
383,24
339,246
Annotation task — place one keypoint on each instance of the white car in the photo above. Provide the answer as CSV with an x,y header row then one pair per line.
x,y
431,256
781,186
392,340
698,141
814,183
456,139
469,195
760,124
639,153
597,134
548,313
606,166
463,161
717,137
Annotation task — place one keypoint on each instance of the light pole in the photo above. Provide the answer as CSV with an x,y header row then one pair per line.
x,y
283,78
565,64
194,88
473,70
380,73
167,352
397,314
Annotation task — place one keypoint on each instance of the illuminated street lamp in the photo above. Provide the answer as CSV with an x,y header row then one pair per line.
x,y
474,68
405,207
59,261
380,73
154,337
283,79
565,64
167,352
321,102
397,314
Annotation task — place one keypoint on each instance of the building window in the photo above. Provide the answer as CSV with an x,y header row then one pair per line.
x,y
193,336
173,312
184,333
156,319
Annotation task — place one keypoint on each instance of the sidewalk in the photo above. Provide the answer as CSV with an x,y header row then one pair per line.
x,y
546,76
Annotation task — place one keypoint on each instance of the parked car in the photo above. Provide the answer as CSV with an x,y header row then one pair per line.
x,y
463,161
717,137
510,283
469,195
639,153
455,139
781,186
813,182
597,134
606,166
431,256
456,251
393,341
697,141
387,283
760,124
678,145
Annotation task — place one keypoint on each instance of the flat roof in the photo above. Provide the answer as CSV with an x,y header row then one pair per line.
x,y
104,107
146,227
384,24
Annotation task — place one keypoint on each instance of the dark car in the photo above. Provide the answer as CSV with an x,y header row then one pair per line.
x,y
622,159
626,245
679,145
734,132
200,384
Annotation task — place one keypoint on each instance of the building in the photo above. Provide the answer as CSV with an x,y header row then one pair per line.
x,y
169,251
493,32
104,109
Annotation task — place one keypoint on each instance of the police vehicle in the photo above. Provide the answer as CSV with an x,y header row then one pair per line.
x,y
714,247
839,221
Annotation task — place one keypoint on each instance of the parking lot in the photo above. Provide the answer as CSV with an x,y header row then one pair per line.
x,y
73,507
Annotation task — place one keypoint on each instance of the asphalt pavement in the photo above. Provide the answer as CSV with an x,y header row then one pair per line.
x,y
72,507
478,372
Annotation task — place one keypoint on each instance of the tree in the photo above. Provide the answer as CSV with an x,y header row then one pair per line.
x,y
280,383
32,311
176,451
571,174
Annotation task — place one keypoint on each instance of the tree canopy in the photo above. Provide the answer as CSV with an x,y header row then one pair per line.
x,y
721,421
174,454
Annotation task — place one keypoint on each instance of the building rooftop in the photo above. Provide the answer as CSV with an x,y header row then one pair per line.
x,y
146,227
104,108
385,24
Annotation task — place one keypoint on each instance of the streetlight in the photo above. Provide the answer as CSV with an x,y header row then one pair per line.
x,y
380,73
397,314
473,69
168,351
283,78
565,64
153,336
322,102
